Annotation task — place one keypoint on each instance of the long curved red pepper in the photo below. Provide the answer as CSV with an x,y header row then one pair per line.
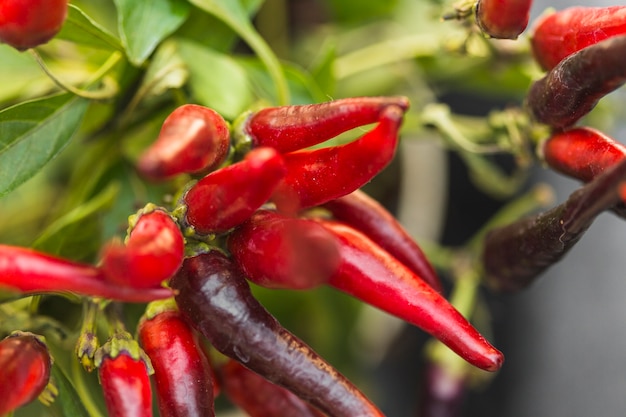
x,y
290,128
227,197
276,251
31,272
215,298
184,379
371,274
503,19
557,35
367,215
320,175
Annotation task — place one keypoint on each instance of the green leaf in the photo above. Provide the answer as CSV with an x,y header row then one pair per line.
x,y
67,402
34,132
81,29
144,24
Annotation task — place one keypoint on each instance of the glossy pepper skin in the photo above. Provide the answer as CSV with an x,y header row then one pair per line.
x,y
153,252
317,176
516,254
291,128
557,35
277,251
26,24
183,375
227,197
503,19
192,139
367,215
574,87
25,363
372,275
126,386
214,297
258,397
31,272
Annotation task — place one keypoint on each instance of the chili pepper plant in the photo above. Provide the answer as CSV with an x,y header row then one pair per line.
x,y
207,207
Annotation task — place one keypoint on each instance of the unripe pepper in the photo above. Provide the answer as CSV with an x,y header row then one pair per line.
x,y
276,251
153,252
574,87
320,175
371,274
26,24
192,139
227,197
557,35
25,370
184,379
291,128
367,215
214,297
503,19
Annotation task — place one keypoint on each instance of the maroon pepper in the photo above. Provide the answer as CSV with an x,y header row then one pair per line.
x,y
215,298
503,19
367,215
290,128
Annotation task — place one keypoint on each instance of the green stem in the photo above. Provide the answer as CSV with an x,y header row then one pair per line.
x,y
82,391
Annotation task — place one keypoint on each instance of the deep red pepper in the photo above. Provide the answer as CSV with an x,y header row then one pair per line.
x,y
276,251
291,128
320,175
371,274
193,139
25,364
215,298
367,215
227,197
503,19
26,24
562,33
153,252
184,379
31,272
574,87
258,397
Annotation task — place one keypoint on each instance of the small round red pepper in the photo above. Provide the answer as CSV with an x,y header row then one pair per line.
x,y
26,24
503,19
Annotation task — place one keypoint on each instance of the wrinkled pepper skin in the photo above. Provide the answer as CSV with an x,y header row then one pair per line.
x,y
574,87
367,215
557,35
25,365
193,139
317,176
183,375
372,275
503,19
126,386
291,128
259,397
516,254
276,251
31,272
215,298
227,197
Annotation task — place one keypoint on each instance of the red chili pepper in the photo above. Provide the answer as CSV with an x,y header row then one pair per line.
x,y
320,175
25,370
560,34
31,272
184,379
153,252
26,24
275,251
367,215
290,128
258,397
227,197
371,274
574,87
193,139
503,19
215,298
516,254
